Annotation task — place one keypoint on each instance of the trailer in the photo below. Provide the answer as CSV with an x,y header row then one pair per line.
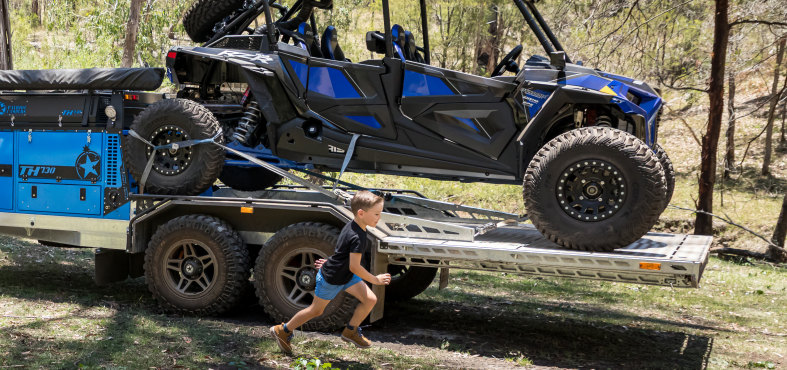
x,y
198,252
65,181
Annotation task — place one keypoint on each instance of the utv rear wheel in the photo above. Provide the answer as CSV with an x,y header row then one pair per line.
x,y
197,265
248,178
595,189
669,173
201,18
183,171
408,282
285,277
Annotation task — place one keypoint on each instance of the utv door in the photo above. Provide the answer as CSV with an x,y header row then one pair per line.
x,y
350,95
463,108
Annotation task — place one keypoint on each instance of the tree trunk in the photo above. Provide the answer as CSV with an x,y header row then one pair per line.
x,y
779,234
710,141
6,61
131,34
766,162
729,159
784,116
34,9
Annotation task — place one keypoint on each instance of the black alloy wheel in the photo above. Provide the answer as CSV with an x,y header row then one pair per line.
x,y
591,190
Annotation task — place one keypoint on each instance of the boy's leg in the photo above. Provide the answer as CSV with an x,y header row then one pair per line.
x,y
352,333
283,332
314,310
368,300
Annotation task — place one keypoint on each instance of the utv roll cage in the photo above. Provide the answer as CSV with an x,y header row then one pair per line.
x,y
241,23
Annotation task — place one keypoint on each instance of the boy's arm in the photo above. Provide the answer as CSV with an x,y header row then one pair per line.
x,y
356,268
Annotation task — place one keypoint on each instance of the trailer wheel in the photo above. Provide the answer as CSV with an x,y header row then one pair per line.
x,y
285,277
408,282
595,189
183,171
197,264
669,173
248,178
201,18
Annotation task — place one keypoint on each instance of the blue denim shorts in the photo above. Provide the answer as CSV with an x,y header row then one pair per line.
x,y
327,291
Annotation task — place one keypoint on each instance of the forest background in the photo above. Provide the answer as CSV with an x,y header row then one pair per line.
x,y
668,44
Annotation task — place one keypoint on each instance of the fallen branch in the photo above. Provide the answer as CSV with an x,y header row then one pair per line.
x,y
24,317
729,221
740,252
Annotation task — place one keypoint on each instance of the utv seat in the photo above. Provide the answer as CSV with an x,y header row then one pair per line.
x,y
410,49
330,45
143,79
398,38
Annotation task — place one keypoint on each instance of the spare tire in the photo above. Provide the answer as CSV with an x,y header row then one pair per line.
x,y
248,178
183,171
594,189
200,19
669,172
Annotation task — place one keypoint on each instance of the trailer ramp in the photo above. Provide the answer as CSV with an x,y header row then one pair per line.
x,y
657,259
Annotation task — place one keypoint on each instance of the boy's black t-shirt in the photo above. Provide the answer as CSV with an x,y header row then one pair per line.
x,y
336,270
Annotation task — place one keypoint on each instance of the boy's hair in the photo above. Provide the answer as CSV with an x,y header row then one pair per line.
x,y
364,200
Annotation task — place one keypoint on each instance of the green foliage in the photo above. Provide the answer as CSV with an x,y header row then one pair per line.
x,y
311,364
760,365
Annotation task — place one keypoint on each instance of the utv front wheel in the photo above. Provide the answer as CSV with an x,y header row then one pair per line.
x,y
669,172
595,189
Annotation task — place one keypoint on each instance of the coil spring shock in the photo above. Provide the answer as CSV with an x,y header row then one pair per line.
x,y
248,123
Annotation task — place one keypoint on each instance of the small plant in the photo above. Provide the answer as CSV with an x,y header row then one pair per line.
x,y
520,360
760,365
311,364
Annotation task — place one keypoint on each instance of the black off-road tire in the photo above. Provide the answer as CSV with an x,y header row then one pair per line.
x,y
231,262
305,236
200,19
205,161
642,177
250,178
669,173
408,283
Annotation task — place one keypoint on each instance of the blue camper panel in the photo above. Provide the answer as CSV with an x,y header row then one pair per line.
x,y
6,170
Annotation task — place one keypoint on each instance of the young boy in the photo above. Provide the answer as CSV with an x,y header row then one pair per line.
x,y
343,271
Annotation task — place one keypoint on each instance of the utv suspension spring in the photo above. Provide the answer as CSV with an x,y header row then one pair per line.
x,y
248,123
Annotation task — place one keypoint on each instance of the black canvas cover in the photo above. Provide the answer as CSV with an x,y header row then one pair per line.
x,y
145,79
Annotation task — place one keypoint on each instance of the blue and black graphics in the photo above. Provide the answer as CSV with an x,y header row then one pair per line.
x,y
330,45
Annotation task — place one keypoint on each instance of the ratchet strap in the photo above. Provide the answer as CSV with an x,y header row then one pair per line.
x,y
176,145
347,158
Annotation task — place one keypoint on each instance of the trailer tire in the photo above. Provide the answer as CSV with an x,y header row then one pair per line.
x,y
213,249
248,178
408,282
184,171
611,184
200,19
669,173
295,248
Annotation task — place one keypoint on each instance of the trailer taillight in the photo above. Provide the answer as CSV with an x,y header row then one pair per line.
x,y
131,97
172,54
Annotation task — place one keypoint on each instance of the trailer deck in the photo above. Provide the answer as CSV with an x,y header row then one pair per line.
x,y
504,243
